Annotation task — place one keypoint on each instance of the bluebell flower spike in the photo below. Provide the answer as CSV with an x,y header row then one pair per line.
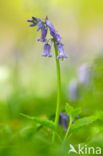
x,y
44,26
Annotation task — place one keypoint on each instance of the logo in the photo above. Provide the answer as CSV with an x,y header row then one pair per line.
x,y
85,150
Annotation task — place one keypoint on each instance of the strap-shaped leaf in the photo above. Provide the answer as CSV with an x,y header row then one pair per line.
x,y
42,121
83,122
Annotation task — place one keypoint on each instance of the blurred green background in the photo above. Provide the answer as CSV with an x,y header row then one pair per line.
x,y
28,81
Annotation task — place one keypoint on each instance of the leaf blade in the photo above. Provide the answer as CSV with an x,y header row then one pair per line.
x,y
83,122
42,121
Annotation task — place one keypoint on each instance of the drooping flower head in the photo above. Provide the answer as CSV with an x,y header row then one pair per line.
x,y
64,120
44,26
61,51
46,51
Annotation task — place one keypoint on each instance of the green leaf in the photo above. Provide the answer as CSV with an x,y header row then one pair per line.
x,y
76,112
83,122
42,121
68,108
71,111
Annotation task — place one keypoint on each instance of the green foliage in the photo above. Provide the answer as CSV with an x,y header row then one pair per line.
x,y
81,123
69,109
32,135
41,121
72,111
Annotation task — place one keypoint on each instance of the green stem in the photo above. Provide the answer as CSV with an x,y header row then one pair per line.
x,y
58,89
68,130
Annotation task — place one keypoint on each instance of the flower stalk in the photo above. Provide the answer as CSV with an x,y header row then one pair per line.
x,y
68,130
44,26
58,89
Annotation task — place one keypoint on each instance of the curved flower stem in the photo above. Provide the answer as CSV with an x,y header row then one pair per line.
x,y
68,130
58,89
